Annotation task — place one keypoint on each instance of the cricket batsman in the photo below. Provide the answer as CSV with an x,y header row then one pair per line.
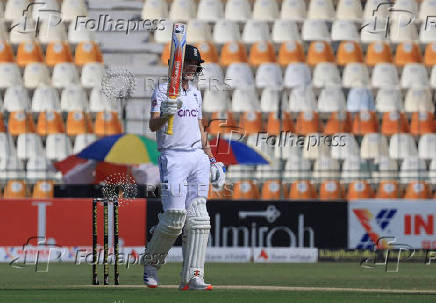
x,y
185,164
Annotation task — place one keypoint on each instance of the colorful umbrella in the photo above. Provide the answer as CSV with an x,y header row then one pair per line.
x,y
122,149
236,152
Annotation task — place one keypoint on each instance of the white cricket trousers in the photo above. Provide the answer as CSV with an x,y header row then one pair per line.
x,y
184,176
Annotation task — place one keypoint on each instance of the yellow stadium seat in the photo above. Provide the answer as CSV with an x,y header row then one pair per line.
x,y
43,189
6,53
271,190
365,122
407,52
388,189
261,52
28,52
233,52
245,190
251,122
359,190
290,52
107,123
78,122
394,122
418,190
378,52
50,123
307,122
349,52
208,51
273,124
57,52
302,190
86,52
338,122
331,190
15,189
221,123
319,51
430,54
422,123
20,123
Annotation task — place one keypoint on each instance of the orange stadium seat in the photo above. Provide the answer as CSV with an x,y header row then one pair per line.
x,y
221,123
430,54
378,52
107,123
365,122
359,190
394,122
233,52
319,51
407,52
166,54
245,190
307,122
28,52
422,123
262,52
2,124
58,52
290,52
43,189
20,123
208,51
251,122
331,190
6,53
388,189
271,190
224,194
418,190
338,122
15,189
273,124
302,190
349,52
50,123
86,52
78,122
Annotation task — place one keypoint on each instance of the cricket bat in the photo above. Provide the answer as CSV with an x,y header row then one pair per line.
x,y
175,67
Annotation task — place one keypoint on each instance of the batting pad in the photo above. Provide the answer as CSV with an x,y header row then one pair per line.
x,y
164,235
195,237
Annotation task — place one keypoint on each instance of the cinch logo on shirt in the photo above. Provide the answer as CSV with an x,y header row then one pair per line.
x,y
187,113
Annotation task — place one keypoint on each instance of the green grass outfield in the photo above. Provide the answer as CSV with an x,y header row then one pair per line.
x,y
322,282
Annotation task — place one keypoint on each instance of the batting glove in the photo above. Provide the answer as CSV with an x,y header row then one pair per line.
x,y
170,107
217,174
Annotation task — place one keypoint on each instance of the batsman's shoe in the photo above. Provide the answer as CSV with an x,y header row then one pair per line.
x,y
196,283
150,276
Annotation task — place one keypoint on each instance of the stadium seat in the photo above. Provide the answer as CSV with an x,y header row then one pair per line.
x,y
331,190
302,99
290,52
226,31
238,10
6,52
402,146
155,9
237,172
326,168
349,10
430,54
414,74
422,123
331,99
198,31
355,74
165,56
11,168
164,35
349,52
269,75
43,189
208,51
87,52
389,100
273,124
39,168
388,189
394,122
418,99
315,30
245,100
297,75
64,74
402,31
289,146
20,122
78,33
36,73
107,123
23,30
378,52
326,74
212,77
427,146
255,31
58,147
433,77
2,123
373,146
210,10
270,99
316,145
271,190
412,169
410,6
269,172
44,10
344,30
307,122
426,33
385,168
7,146
45,98
71,9
216,100
251,122
297,168
233,52
354,168
427,8
266,10
319,51
360,99
183,10
418,190
338,122
385,75
432,171
16,99
321,9
293,10
221,122
359,190
261,52
78,123
14,9
284,30
223,194
29,146
73,98
9,75
407,52
52,30
245,190
92,74
49,122
82,141
58,52
344,146
15,189
98,102
239,75
302,190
